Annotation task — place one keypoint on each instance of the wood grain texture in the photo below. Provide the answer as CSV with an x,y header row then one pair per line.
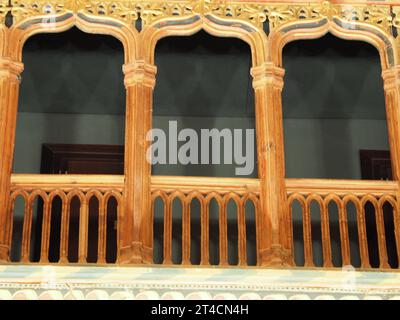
x,y
84,191
374,22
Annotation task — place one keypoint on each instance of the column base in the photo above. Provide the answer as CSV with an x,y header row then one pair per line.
x,y
137,253
4,254
276,256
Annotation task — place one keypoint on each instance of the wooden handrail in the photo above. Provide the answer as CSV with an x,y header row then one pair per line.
x,y
340,187
67,181
205,184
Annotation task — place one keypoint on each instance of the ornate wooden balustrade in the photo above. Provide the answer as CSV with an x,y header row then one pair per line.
x,y
266,26
205,190
46,188
381,195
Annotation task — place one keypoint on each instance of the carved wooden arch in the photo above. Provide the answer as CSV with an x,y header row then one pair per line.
x,y
23,28
213,25
377,25
349,30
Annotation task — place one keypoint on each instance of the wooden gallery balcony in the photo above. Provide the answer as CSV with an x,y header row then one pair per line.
x,y
139,218
349,200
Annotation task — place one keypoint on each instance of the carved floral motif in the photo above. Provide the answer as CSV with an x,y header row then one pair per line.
x,y
256,13
3,10
130,11
23,9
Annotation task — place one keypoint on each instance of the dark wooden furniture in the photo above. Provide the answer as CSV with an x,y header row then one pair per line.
x,y
82,159
375,165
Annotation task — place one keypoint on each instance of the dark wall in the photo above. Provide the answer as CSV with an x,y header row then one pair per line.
x,y
205,77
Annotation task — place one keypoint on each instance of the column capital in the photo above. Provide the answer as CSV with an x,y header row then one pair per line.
x,y
391,77
267,73
10,69
140,72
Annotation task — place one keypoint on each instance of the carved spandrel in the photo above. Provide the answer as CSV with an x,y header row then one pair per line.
x,y
4,9
25,9
256,13
147,11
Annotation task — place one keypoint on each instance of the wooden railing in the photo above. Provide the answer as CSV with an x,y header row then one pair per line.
x,y
78,202
368,209
203,221
232,219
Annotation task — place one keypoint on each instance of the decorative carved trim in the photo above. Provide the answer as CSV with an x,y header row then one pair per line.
x,y
391,78
265,73
147,11
25,9
10,69
140,72
276,15
4,9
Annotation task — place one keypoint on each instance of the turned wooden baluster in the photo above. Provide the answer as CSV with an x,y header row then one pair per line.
x,y
83,230
380,228
168,231
102,231
64,233
10,221
241,218
46,225
308,247
362,235
26,230
186,232
302,202
205,232
120,219
223,232
344,233
326,236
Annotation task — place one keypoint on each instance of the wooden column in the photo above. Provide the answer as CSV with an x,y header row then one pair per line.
x,y
136,232
274,240
9,88
391,83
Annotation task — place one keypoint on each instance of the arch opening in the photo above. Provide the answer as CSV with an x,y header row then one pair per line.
x,y
333,107
71,93
197,108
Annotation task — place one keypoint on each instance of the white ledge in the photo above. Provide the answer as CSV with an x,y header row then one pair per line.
x,y
90,282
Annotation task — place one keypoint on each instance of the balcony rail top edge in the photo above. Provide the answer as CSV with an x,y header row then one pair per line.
x,y
341,186
203,184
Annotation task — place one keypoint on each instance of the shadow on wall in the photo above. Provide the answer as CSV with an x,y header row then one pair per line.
x,y
203,82
333,105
